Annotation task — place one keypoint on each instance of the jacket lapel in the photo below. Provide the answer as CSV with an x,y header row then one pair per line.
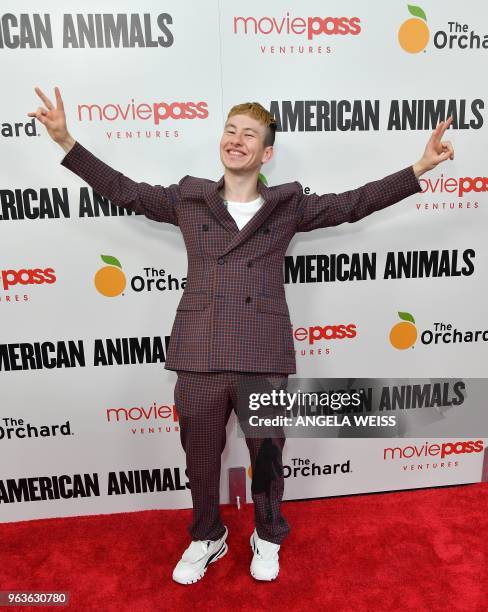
x,y
217,206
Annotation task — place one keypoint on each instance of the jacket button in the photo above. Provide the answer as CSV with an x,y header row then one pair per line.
x,y
221,260
248,299
249,264
205,227
266,230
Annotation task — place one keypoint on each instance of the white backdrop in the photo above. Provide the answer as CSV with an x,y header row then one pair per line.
x,y
220,53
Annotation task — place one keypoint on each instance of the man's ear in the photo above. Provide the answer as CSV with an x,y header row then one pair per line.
x,y
267,154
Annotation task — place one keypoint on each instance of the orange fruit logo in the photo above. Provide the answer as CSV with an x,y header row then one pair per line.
x,y
110,280
414,33
249,472
403,335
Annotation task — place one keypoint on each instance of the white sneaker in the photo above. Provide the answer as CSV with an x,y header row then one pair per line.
x,y
196,558
264,564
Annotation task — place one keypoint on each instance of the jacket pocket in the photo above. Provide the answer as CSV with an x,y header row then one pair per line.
x,y
272,305
193,300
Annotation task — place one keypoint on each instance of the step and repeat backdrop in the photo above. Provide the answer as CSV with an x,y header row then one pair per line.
x,y
88,292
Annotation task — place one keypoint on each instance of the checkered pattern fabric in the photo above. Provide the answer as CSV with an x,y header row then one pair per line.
x,y
233,313
204,401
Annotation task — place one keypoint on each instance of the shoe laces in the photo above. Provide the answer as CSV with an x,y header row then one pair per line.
x,y
265,550
196,550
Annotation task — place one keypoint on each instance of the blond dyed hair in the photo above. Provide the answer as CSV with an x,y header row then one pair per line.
x,y
258,112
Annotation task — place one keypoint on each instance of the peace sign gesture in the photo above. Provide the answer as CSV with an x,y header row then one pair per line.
x,y
437,150
53,118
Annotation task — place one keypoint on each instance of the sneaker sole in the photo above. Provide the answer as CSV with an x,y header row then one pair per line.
x,y
215,557
264,579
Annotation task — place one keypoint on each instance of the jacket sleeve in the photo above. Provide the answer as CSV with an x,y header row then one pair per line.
x,y
154,201
316,211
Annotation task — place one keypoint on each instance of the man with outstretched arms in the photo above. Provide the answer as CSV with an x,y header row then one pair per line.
x,y
232,322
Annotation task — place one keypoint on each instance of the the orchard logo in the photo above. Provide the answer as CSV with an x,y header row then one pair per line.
x,y
414,33
110,280
301,467
403,334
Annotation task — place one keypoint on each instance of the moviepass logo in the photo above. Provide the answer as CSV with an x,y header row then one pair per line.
x,y
143,111
154,412
433,450
289,25
35,276
146,420
458,186
314,333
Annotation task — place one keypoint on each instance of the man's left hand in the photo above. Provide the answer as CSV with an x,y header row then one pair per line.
x,y
436,151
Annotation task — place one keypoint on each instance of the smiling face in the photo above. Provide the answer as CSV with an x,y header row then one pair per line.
x,y
242,146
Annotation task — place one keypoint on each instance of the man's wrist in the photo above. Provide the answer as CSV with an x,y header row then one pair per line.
x,y
67,144
420,168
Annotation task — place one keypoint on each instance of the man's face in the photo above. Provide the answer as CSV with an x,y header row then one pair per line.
x,y
242,146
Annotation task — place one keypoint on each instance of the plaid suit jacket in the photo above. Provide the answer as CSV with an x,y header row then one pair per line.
x,y
233,313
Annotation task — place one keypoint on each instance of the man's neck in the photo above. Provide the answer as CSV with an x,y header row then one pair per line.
x,y
240,187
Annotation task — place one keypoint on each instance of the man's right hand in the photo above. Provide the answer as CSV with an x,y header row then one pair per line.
x,y
54,119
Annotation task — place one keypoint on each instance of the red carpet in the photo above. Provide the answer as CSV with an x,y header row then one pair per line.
x,y
410,551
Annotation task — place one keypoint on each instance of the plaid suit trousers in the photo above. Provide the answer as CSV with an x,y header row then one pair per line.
x,y
204,401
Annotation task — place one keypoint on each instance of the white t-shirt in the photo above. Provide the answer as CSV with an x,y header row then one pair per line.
x,y
242,212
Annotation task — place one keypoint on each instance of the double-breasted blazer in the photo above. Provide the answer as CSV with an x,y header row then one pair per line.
x,y
233,313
